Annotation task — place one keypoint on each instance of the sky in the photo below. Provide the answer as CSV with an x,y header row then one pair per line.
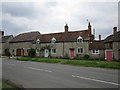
x,y
50,16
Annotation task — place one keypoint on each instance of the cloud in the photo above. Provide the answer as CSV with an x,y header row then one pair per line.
x,y
50,16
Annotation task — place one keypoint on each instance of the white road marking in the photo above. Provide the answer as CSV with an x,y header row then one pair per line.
x,y
9,64
38,69
96,80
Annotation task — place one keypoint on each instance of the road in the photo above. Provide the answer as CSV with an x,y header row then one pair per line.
x,y
45,75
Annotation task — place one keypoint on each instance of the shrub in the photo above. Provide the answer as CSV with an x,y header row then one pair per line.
x,y
66,56
32,52
86,56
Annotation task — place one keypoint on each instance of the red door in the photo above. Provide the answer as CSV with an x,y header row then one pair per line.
x,y
71,53
109,55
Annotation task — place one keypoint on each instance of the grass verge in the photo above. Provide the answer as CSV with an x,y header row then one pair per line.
x,y
87,63
6,86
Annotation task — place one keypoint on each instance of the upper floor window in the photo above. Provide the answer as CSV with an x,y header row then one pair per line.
x,y
37,41
79,39
53,40
80,50
95,51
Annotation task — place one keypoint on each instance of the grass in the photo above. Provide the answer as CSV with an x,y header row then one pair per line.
x,y
87,63
6,86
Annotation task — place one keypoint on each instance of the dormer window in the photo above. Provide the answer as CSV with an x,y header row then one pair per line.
x,y
53,40
37,41
79,39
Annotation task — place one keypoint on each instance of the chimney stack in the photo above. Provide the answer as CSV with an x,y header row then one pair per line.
x,y
66,28
89,29
114,30
99,37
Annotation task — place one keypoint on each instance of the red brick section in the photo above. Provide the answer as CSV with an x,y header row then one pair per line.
x,y
24,37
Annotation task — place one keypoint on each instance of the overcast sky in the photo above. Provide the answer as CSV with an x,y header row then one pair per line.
x,y
50,16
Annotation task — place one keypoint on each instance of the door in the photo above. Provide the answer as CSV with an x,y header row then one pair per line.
x,y
46,53
71,53
18,52
109,55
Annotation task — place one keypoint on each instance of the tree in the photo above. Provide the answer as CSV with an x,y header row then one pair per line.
x,y
32,52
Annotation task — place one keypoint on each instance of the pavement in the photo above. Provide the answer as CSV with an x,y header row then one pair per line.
x,y
44,75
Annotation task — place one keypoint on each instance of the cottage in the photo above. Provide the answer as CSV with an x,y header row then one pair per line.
x,y
112,46
20,44
97,48
64,44
4,43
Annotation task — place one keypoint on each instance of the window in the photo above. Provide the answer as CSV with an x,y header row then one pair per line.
x,y
80,50
53,40
53,51
79,39
95,51
37,41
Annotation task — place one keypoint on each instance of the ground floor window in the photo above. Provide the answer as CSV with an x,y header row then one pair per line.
x,y
80,50
53,51
95,51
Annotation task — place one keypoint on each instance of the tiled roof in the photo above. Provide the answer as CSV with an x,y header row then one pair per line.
x,y
4,39
25,37
69,36
113,38
97,45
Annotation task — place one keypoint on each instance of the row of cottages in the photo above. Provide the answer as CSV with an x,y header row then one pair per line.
x,y
64,44
4,43
69,44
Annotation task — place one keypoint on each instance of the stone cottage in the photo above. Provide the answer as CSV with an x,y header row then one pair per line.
x,y
20,44
64,44
4,43
112,46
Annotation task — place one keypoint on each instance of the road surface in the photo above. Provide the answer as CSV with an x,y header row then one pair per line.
x,y
45,75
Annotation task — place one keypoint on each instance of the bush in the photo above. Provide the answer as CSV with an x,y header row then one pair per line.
x,y
31,52
86,56
66,56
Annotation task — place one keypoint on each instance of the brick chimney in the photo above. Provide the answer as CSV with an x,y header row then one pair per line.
x,y
66,28
114,30
99,37
1,33
89,29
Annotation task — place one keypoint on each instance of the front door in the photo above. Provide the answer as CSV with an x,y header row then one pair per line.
x,y
46,53
71,53
109,55
20,52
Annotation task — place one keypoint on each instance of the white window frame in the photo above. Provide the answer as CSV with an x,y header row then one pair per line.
x,y
53,40
38,41
79,39
52,51
80,50
95,51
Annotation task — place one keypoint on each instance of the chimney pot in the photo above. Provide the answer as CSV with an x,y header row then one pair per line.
x,y
99,37
66,28
114,29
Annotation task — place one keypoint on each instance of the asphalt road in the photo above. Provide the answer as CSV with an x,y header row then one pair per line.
x,y
44,75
